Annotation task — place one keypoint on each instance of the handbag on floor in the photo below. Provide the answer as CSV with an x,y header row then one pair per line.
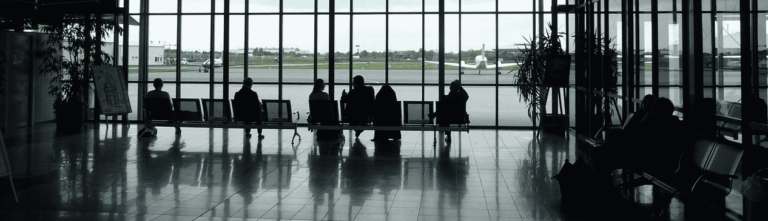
x,y
576,181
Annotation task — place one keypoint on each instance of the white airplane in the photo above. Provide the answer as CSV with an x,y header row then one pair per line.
x,y
207,64
481,62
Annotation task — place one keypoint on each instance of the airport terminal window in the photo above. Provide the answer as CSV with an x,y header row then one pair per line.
x,y
412,41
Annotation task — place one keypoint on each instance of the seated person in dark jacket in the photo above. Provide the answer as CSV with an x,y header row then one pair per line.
x,y
660,140
386,115
248,106
453,107
359,102
159,93
637,118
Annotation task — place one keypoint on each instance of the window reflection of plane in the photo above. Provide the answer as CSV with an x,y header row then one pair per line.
x,y
207,64
481,62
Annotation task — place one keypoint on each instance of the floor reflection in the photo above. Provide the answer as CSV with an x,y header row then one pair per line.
x,y
106,173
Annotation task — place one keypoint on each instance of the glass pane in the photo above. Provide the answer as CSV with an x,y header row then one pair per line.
x,y
431,43
322,47
237,6
645,5
405,45
369,6
728,5
323,5
300,6
162,47
708,58
512,111
133,51
727,42
452,48
299,97
645,62
237,48
522,5
404,6
219,6
513,32
450,6
298,46
195,6
342,6
133,97
615,5
256,6
190,90
431,5
369,41
481,105
163,6
199,44
670,66
264,35
478,49
218,45
342,49
134,6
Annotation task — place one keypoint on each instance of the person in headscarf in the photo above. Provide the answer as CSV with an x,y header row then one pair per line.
x,y
324,117
386,113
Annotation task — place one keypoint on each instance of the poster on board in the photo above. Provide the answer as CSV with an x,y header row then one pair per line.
x,y
111,90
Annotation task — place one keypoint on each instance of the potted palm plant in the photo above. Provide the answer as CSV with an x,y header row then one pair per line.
x,y
71,51
537,70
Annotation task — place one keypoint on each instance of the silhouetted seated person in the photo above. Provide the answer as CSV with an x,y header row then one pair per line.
x,y
158,105
358,104
321,111
661,140
247,106
386,113
452,108
654,146
637,117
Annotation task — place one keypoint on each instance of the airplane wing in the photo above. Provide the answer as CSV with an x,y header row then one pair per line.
x,y
490,66
463,65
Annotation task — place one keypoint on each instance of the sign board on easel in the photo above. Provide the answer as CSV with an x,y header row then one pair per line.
x,y
5,166
111,91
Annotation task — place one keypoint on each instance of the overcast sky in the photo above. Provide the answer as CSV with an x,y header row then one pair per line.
x,y
368,30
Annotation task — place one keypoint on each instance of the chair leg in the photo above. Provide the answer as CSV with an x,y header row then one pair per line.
x,y
295,133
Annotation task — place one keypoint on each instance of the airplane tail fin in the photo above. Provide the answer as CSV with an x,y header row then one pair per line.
x,y
482,52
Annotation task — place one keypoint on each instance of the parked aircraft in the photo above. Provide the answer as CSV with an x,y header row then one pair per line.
x,y
481,62
207,64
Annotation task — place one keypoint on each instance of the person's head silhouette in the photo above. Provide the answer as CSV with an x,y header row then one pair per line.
x,y
247,83
158,84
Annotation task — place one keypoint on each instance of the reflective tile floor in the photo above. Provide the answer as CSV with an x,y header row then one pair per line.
x,y
107,173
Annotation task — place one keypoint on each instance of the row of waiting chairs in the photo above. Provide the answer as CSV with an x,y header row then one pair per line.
x,y
211,110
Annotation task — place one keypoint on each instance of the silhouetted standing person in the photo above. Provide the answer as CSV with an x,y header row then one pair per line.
x,y
387,114
359,101
248,106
